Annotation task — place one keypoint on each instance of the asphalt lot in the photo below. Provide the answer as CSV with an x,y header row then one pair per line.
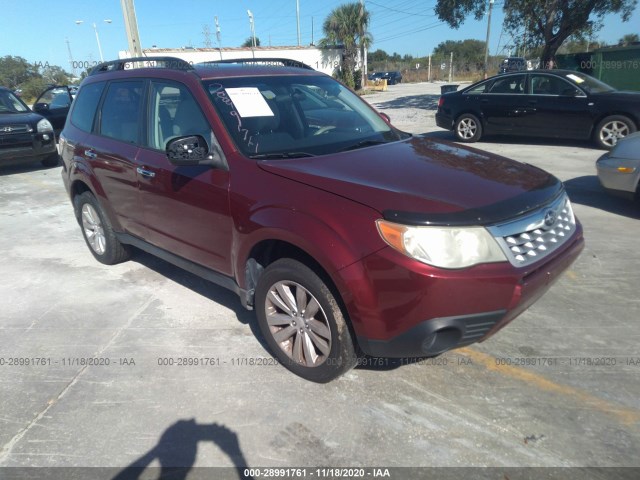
x,y
559,387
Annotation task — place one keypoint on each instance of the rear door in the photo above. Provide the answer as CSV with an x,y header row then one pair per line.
x,y
186,208
505,106
113,150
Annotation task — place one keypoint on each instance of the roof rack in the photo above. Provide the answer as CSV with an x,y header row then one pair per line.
x,y
285,62
147,62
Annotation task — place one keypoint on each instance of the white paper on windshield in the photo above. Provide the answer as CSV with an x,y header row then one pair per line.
x,y
249,102
575,78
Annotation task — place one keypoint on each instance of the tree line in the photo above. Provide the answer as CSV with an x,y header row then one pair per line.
x,y
31,78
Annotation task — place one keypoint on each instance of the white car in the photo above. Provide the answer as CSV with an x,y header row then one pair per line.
x,y
619,169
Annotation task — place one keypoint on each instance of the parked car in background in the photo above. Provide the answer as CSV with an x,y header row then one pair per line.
x,y
619,169
345,234
513,64
24,136
54,104
391,77
541,103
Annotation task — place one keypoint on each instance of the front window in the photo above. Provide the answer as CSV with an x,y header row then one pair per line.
x,y
588,83
10,103
296,116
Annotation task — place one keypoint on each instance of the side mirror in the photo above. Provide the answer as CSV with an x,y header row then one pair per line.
x,y
41,106
193,150
190,150
385,117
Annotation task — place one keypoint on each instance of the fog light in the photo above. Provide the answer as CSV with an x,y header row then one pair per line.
x,y
45,137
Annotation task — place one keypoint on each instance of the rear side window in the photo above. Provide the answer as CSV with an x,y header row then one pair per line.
x,y
120,118
84,107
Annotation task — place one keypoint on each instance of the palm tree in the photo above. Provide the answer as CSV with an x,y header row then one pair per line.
x,y
347,25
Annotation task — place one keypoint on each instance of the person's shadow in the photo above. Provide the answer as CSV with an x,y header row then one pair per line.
x,y
177,448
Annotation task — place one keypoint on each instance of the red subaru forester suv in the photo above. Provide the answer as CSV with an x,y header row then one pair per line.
x,y
347,236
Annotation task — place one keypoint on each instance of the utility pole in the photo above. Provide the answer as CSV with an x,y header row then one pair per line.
x,y
298,19
73,66
429,76
218,36
486,50
131,27
363,50
253,33
451,68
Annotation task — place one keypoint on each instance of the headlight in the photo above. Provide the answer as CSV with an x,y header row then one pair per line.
x,y
444,247
44,126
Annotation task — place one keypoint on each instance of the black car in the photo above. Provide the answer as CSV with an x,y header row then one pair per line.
x,y
541,103
25,136
54,104
513,64
392,77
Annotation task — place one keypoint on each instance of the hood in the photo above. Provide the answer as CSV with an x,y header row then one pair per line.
x,y
426,181
20,118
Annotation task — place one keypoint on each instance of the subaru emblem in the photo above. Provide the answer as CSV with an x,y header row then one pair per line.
x,y
550,218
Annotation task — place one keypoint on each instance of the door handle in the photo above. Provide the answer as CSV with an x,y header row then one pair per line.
x,y
145,173
90,154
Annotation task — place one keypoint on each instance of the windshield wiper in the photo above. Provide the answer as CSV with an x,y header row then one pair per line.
x,y
362,144
275,155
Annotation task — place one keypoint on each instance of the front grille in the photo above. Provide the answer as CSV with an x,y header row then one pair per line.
x,y
15,129
536,235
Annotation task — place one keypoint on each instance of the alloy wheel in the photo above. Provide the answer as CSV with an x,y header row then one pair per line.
x,y
613,131
298,324
467,128
93,231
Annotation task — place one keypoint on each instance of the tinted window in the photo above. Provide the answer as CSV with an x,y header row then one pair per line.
x,y
513,84
120,117
84,108
482,88
173,113
550,85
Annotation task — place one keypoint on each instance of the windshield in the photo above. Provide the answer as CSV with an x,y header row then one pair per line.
x,y
590,84
10,103
296,116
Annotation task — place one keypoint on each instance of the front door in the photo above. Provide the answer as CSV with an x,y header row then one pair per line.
x,y
186,209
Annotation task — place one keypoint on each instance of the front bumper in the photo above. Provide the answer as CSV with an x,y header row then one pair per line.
x,y
400,308
26,148
615,181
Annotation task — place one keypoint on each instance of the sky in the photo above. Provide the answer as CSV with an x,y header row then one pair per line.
x,y
39,30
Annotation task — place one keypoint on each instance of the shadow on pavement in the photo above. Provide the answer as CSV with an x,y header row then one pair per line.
x,y
213,292
425,101
177,449
588,191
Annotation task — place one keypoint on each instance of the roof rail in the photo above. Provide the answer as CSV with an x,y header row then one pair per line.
x,y
147,62
285,62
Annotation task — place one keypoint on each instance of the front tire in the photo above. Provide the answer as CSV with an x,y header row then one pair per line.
x,y
98,232
303,323
52,160
612,129
468,128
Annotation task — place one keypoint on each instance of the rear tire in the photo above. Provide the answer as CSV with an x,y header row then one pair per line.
x,y
303,323
612,129
468,128
98,232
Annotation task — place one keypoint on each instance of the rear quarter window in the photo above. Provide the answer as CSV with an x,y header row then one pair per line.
x,y
85,106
